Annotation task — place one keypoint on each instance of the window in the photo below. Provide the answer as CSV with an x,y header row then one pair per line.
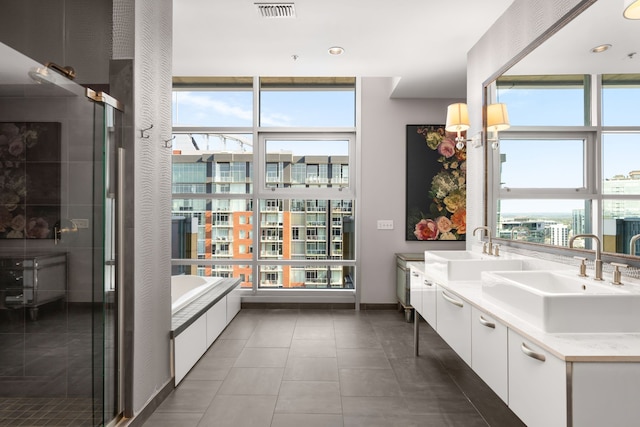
x,y
286,176
310,163
620,93
307,102
545,100
556,176
543,160
224,102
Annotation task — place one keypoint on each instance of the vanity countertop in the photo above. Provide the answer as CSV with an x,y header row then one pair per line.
x,y
571,347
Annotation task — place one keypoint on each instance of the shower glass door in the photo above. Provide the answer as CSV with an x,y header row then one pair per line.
x,y
58,304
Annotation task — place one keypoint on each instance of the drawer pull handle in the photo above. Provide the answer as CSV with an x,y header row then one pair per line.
x,y
451,300
526,350
428,283
485,322
414,274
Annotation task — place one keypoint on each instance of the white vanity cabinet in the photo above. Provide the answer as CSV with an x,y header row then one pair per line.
x,y
537,384
453,318
416,286
489,351
429,296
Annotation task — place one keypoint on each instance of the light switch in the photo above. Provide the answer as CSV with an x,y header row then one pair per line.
x,y
385,224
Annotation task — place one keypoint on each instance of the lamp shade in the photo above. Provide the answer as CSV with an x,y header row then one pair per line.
x,y
631,9
497,117
457,118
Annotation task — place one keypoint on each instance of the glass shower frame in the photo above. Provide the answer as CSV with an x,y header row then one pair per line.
x,y
62,355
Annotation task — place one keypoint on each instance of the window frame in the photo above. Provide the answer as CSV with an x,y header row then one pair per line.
x,y
589,161
593,194
340,192
258,192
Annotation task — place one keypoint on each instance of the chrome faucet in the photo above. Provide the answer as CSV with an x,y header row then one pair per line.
x,y
632,244
487,248
598,259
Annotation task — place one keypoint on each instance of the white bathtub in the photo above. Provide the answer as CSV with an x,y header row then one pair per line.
x,y
187,288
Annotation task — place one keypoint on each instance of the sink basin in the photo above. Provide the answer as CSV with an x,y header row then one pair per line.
x,y
561,302
465,265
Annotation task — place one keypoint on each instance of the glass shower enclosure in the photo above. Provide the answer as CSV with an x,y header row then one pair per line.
x,y
59,296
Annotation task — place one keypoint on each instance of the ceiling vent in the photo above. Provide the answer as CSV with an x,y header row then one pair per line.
x,y
276,10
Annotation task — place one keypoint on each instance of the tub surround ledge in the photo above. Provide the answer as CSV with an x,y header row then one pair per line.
x,y
183,318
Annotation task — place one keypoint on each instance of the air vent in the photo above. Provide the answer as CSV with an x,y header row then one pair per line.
x,y
276,10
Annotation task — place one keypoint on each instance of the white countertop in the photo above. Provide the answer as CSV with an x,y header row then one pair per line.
x,y
571,347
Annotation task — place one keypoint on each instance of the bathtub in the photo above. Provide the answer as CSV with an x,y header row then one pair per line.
x,y
187,288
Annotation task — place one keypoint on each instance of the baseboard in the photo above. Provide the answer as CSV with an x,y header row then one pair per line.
x,y
367,306
315,306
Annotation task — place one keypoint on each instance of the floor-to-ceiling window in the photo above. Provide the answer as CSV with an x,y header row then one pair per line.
x,y
263,186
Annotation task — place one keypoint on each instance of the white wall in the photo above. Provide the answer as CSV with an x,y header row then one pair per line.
x,y
520,26
382,175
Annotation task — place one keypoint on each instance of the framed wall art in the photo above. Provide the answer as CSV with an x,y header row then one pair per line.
x,y
436,185
30,187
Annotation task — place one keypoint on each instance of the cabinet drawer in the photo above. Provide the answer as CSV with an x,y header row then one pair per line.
x,y
537,384
454,323
489,352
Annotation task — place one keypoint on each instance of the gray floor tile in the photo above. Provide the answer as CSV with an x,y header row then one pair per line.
x,y
236,411
211,368
416,376
356,339
440,400
324,332
261,357
226,348
274,336
330,368
372,405
362,358
311,369
315,318
307,420
252,381
401,420
240,328
190,396
309,397
172,419
368,382
313,348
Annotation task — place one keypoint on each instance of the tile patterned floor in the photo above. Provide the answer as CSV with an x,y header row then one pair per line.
x,y
326,368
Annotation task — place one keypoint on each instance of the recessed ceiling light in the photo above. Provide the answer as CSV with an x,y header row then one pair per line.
x,y
601,48
336,50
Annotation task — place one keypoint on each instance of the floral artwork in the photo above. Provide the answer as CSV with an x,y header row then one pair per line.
x,y
436,185
29,180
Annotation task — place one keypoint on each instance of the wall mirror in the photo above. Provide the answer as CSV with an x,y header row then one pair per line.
x,y
569,163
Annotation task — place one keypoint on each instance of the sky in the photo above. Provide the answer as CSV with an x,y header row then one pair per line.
x,y
279,109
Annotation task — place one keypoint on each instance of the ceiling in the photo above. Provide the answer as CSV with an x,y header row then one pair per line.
x,y
569,50
421,44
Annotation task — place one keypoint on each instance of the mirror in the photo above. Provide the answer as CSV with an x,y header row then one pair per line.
x,y
567,165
